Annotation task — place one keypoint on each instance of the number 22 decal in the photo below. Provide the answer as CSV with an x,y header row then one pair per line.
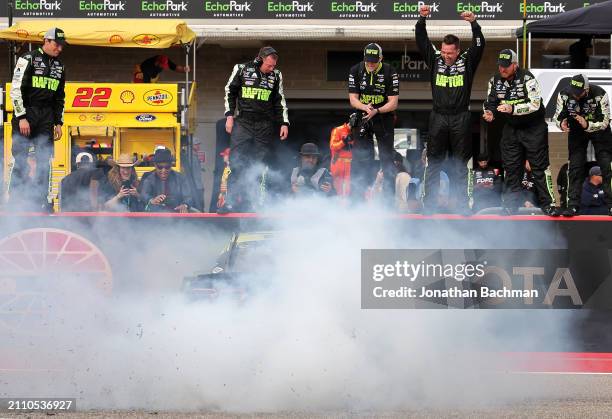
x,y
87,97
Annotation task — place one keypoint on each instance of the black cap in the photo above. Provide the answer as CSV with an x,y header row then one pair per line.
x,y
309,149
372,53
162,155
57,35
578,84
595,171
506,57
483,157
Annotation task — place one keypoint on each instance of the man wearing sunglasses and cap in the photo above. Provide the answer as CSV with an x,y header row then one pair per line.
x,y
37,93
583,111
514,95
374,90
255,107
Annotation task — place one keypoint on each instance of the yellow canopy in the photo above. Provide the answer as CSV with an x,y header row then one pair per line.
x,y
134,33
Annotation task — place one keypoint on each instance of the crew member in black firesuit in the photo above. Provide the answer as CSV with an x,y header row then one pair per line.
x,y
254,107
514,94
374,90
583,111
487,185
450,131
37,93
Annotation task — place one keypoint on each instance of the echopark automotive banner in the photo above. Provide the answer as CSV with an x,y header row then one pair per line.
x,y
286,9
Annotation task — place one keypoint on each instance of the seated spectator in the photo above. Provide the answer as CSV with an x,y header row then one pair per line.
x,y
487,185
529,197
118,190
309,177
166,190
74,188
592,199
402,180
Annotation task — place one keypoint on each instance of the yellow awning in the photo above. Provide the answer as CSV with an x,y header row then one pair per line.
x,y
131,33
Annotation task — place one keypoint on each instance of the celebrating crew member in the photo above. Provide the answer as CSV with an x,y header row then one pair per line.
x,y
149,70
452,73
583,111
37,93
254,107
514,94
373,90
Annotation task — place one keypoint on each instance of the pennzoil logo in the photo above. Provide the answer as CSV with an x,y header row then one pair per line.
x,y
22,33
146,39
157,97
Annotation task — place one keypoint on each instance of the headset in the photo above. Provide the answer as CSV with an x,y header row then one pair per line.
x,y
263,53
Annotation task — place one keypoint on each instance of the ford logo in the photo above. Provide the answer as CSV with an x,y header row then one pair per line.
x,y
145,117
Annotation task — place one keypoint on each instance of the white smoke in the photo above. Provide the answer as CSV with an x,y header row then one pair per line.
x,y
301,342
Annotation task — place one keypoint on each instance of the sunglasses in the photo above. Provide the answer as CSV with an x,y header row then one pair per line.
x,y
164,166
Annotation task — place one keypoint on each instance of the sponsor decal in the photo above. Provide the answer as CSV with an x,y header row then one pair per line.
x,y
163,8
115,39
97,117
145,117
127,96
410,9
482,9
22,33
146,39
542,9
82,117
38,7
102,8
290,9
157,97
354,9
224,9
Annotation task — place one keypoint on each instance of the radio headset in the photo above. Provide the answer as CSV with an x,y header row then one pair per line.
x,y
263,53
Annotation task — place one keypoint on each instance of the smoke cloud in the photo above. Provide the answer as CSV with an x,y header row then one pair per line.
x,y
299,342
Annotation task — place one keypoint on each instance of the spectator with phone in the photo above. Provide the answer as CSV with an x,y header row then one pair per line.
x,y
166,190
118,190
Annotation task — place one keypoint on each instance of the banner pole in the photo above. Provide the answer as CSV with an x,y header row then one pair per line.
x,y
525,33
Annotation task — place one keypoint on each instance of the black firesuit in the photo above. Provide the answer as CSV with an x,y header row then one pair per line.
x,y
373,88
449,123
37,93
595,108
257,101
524,136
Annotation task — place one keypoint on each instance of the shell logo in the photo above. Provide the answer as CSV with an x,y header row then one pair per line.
x,y
115,39
82,117
157,97
146,39
22,33
127,96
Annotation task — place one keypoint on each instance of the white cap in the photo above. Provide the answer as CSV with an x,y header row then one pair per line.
x,y
80,156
